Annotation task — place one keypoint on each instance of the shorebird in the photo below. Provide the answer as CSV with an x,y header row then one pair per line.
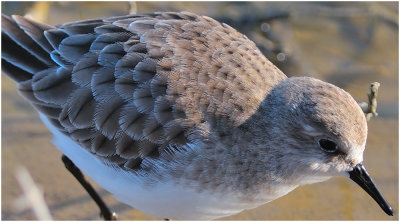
x,y
181,116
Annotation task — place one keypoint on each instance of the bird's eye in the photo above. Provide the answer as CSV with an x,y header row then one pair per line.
x,y
328,145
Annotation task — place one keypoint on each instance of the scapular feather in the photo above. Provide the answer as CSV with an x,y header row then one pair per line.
x,y
55,36
106,116
131,121
53,85
83,71
110,55
74,47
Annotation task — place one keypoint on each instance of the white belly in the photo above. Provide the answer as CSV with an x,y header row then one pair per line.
x,y
162,199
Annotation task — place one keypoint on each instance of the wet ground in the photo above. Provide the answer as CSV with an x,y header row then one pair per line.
x,y
347,44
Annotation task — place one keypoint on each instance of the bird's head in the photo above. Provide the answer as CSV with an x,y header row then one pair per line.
x,y
316,130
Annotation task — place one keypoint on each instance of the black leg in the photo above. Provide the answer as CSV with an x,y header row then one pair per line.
x,y
104,211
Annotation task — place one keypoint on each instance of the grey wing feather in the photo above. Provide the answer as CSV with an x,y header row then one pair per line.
x,y
16,30
84,69
55,36
35,31
98,82
74,47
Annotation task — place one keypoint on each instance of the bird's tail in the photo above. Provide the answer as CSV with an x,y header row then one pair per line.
x,y
25,50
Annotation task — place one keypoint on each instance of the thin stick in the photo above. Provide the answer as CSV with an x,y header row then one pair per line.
x,y
33,196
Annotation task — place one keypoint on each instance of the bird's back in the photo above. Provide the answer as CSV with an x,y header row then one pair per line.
x,y
131,87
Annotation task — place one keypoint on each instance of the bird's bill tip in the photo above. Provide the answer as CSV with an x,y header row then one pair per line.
x,y
360,175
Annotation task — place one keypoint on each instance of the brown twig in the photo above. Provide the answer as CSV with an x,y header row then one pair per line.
x,y
370,107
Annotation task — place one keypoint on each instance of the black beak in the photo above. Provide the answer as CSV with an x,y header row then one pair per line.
x,y
360,175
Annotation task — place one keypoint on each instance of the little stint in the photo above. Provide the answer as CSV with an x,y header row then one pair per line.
x,y
181,116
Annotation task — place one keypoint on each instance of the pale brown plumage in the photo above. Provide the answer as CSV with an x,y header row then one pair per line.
x,y
127,88
132,90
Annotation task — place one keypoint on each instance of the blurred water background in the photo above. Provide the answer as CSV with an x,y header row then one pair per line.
x,y
349,44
